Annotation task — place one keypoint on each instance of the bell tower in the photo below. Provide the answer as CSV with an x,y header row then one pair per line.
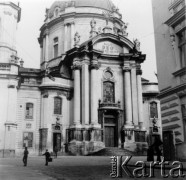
x,y
9,17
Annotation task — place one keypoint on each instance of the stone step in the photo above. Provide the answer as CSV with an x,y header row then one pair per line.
x,y
113,151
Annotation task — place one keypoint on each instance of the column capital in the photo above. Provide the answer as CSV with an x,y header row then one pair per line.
x,y
126,69
76,65
85,61
46,33
94,65
138,72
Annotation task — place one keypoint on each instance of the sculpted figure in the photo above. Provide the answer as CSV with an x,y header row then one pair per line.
x,y
137,44
93,25
76,38
124,29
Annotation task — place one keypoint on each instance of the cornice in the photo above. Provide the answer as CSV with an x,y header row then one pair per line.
x,y
172,91
180,72
174,4
75,15
176,17
55,87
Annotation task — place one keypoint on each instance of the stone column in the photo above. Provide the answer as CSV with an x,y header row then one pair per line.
x,y
134,95
46,46
94,103
85,93
72,34
44,49
65,39
140,99
77,104
128,98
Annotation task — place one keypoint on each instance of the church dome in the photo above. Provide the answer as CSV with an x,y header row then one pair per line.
x,y
102,4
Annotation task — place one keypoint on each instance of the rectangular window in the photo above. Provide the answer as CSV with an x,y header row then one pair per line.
x,y
153,110
28,139
55,47
57,105
29,111
182,48
108,92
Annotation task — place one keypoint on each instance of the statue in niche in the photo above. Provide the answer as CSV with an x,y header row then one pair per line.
x,y
124,29
136,44
57,120
76,39
93,25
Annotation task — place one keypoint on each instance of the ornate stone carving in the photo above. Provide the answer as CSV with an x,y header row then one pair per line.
x,y
107,16
94,65
93,28
126,67
76,39
93,25
76,65
124,29
136,44
45,94
172,38
99,30
7,13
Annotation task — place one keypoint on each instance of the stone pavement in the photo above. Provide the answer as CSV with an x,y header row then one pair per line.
x,y
63,168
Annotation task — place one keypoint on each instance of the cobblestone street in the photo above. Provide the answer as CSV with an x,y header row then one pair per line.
x,y
63,168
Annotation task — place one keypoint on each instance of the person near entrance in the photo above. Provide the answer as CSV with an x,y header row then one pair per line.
x,y
25,156
156,146
55,151
47,157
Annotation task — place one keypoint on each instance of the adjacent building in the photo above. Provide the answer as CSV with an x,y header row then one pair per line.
x,y
170,38
88,93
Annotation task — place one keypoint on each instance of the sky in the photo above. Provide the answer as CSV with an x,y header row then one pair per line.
x,y
138,13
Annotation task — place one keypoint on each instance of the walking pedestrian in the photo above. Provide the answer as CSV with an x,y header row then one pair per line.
x,y
55,151
47,157
25,156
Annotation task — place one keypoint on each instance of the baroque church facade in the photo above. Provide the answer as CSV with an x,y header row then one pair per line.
x,y
88,93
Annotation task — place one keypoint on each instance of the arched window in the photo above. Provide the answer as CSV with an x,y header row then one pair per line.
x,y
153,110
55,47
29,110
108,92
57,105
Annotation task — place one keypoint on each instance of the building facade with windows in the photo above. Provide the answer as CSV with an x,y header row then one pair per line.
x,y
170,38
88,93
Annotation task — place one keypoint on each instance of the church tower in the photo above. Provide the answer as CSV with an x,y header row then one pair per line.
x,y
9,17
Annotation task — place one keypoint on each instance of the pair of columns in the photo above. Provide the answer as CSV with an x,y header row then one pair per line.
x,y
81,103
69,27
133,96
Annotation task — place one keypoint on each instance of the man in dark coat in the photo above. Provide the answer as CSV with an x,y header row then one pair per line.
x,y
47,156
55,151
25,156
156,146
